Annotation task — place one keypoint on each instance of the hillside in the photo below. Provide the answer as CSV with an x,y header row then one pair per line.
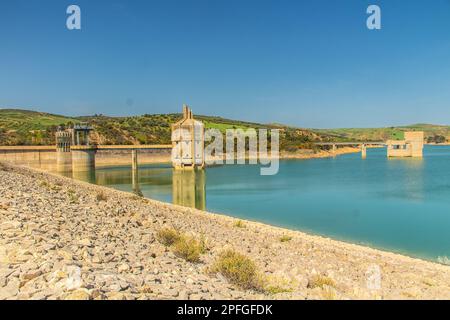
x,y
23,127
433,133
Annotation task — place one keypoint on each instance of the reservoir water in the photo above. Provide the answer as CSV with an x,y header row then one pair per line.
x,y
401,205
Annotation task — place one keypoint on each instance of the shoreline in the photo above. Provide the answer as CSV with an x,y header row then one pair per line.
x,y
294,261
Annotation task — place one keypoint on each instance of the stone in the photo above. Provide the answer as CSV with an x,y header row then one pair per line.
x,y
30,275
11,289
85,242
123,268
79,294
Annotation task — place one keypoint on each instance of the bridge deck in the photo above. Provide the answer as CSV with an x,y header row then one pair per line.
x,y
100,147
352,143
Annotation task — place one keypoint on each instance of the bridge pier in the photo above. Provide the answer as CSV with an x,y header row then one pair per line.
x,y
83,158
334,149
134,160
135,173
63,154
363,151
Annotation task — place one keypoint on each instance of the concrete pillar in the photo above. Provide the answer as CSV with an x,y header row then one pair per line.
x,y
134,160
83,158
63,160
363,151
63,154
334,148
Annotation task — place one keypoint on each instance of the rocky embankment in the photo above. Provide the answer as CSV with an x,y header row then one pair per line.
x,y
63,239
312,154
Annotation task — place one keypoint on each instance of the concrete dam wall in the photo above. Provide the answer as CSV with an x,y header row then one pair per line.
x,y
45,157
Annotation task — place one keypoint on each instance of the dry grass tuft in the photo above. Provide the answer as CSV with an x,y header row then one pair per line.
x,y
319,281
188,248
285,238
275,285
239,224
101,196
238,269
168,236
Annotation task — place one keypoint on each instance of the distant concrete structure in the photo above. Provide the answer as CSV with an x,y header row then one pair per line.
x,y
363,151
188,142
73,149
411,146
80,134
63,152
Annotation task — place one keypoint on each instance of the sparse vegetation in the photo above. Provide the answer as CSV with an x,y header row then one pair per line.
x,y
183,246
188,248
73,198
238,269
239,224
320,281
168,236
436,139
275,285
44,184
329,293
285,238
101,196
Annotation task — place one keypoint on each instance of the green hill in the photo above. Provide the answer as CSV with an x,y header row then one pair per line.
x,y
23,127
433,133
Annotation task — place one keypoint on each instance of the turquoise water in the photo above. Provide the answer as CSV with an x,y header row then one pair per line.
x,y
401,205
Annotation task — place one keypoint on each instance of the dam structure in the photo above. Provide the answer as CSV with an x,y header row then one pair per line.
x,y
63,151
82,152
410,147
188,142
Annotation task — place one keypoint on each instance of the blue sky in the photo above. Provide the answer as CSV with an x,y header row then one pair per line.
x,y
310,63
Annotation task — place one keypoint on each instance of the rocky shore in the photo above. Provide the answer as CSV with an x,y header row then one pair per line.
x,y
64,239
312,154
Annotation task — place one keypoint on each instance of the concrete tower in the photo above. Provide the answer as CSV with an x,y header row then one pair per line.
x,y
188,142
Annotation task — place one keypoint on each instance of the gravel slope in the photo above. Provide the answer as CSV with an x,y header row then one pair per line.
x,y
58,241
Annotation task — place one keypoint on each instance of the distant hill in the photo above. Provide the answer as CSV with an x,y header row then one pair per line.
x,y
433,133
24,127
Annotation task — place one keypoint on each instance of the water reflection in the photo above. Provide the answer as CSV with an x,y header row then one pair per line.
x,y
135,182
86,176
407,173
189,188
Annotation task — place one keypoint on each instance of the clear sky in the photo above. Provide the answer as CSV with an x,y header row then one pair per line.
x,y
310,63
